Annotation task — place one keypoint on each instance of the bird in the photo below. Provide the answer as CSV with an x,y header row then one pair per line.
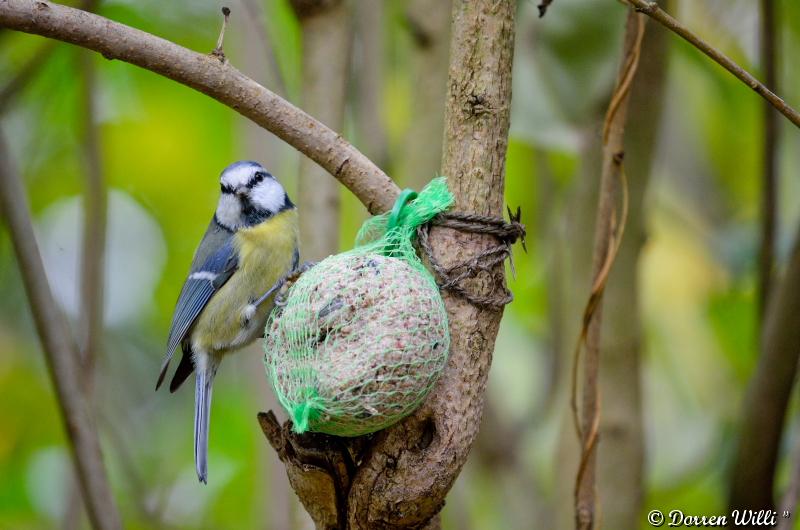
x,y
251,244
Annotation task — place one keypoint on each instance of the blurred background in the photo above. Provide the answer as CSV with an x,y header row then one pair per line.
x,y
682,311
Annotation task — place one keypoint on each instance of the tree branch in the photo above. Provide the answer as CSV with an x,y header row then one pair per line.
x,y
768,394
92,273
92,279
213,77
620,457
652,10
60,351
608,232
769,160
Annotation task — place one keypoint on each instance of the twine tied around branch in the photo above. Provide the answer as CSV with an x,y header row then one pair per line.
x,y
451,278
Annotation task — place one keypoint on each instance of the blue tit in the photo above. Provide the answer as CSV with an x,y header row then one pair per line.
x,y
250,244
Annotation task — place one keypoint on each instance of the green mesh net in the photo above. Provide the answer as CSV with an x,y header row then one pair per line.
x,y
362,336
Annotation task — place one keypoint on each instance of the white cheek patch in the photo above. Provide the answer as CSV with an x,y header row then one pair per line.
x,y
268,195
229,211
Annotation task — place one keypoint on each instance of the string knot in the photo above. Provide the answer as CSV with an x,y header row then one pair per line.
x,y
451,278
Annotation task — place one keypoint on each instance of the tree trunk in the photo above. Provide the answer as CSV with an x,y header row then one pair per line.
x,y
621,452
406,470
429,23
603,254
327,38
576,239
431,447
369,80
768,394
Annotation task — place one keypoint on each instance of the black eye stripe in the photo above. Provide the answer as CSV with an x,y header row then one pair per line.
x,y
254,181
257,178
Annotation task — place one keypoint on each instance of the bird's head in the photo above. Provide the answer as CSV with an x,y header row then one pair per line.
x,y
249,195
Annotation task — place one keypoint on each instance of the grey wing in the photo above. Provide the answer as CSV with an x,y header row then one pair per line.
x,y
216,237
204,280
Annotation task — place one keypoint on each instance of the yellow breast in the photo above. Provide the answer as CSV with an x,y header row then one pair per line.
x,y
265,253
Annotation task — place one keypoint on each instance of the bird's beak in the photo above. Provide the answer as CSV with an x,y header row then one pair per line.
x,y
241,193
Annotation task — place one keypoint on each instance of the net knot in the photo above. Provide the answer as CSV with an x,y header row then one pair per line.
x,y
306,410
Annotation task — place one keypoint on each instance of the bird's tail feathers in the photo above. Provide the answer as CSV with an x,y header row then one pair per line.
x,y
202,416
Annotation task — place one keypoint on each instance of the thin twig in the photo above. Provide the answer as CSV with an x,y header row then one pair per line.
x,y
217,51
59,349
652,10
94,229
621,94
543,5
596,295
607,240
769,161
92,279
218,80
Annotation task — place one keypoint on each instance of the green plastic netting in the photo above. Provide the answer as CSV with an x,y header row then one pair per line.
x,y
363,335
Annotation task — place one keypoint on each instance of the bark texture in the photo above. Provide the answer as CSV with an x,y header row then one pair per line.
x,y
399,477
431,446
327,37
621,454
215,78
429,23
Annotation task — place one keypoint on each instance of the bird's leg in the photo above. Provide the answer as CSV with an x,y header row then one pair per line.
x,y
290,276
302,268
266,295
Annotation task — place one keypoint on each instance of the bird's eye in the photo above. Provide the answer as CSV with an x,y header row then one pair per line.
x,y
258,177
